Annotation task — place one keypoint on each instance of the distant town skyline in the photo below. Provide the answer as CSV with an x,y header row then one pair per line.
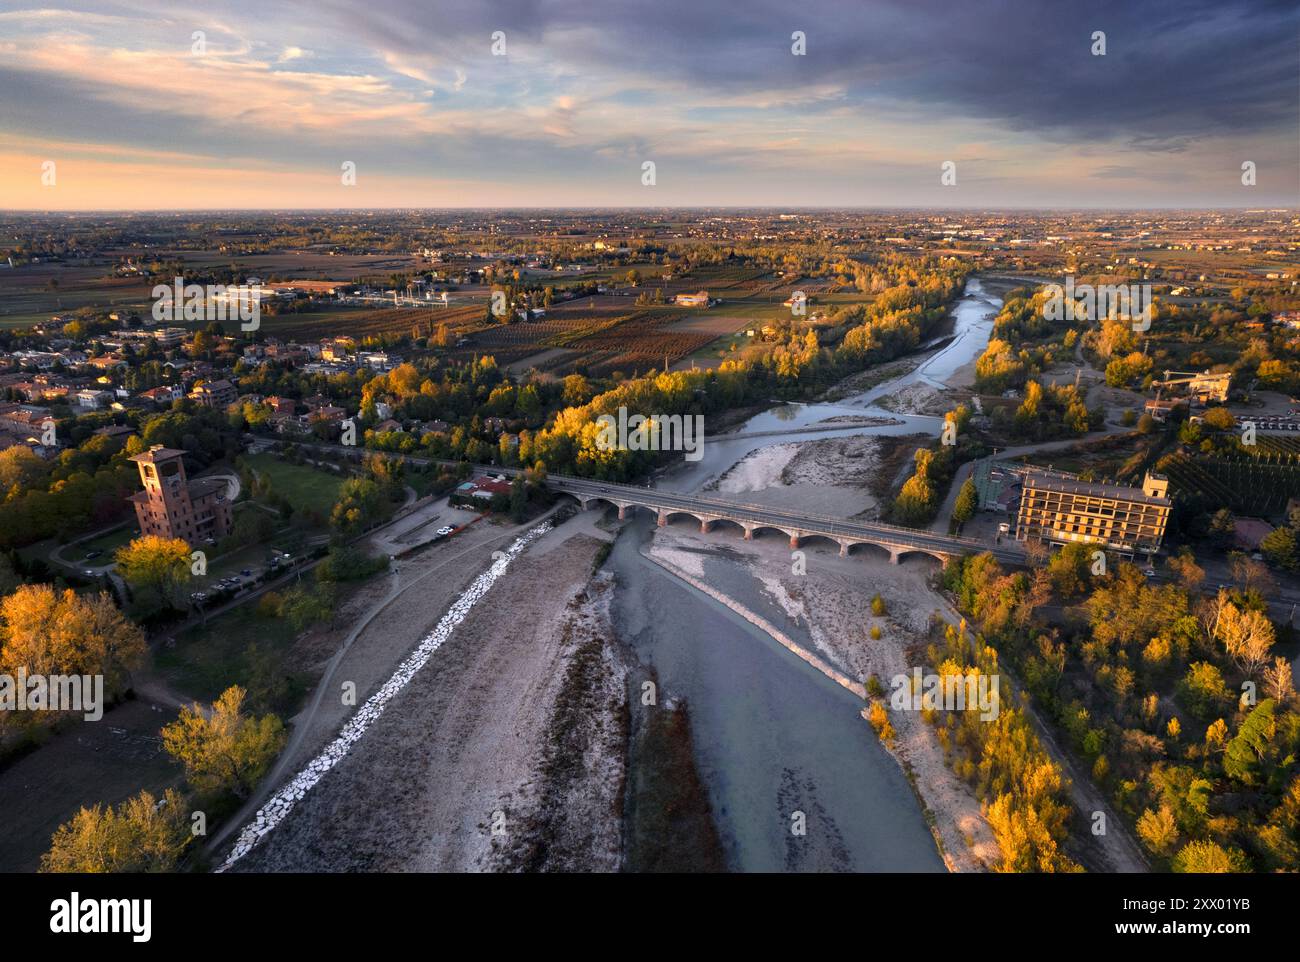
x,y
266,105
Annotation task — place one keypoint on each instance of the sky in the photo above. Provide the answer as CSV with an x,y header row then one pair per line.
x,y
536,103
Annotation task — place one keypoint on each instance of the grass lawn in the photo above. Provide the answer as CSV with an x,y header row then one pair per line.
x,y
306,488
107,543
208,659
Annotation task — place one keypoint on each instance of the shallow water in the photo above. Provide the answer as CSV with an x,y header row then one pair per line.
x,y
772,735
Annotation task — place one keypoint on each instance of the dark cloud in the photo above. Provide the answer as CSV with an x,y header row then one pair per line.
x,y
1172,70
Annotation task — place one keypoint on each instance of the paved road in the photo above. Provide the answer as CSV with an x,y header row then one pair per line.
x,y
807,524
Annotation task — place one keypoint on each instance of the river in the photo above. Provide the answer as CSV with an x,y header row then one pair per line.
x,y
772,735
972,322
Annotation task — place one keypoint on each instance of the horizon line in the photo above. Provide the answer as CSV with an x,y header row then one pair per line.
x,y
1265,208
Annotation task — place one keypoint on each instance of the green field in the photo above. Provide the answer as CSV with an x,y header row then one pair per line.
x,y
239,647
306,488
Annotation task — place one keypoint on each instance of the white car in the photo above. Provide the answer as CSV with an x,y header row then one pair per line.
x,y
444,531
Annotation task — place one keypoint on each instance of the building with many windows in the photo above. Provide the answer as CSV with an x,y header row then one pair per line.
x,y
1059,510
171,506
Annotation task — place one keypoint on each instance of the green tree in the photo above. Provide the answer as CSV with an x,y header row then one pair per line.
x,y
1248,752
1279,547
1203,690
1070,568
224,751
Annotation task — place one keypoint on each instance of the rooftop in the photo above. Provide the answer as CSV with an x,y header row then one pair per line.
x,y
1094,489
157,453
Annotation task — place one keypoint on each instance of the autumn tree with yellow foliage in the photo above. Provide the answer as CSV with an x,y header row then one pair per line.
x,y
140,835
157,569
224,751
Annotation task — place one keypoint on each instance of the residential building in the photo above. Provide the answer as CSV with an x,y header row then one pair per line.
x,y
92,400
215,394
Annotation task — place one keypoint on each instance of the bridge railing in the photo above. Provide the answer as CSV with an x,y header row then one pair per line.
x,y
830,521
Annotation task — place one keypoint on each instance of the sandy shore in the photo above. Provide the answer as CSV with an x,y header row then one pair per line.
x,y
826,476
917,398
474,762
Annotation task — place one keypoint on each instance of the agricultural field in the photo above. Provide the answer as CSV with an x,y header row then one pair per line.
x,y
1249,485
362,322
31,293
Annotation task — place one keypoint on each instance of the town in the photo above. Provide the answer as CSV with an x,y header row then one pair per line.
x,y
559,438
240,493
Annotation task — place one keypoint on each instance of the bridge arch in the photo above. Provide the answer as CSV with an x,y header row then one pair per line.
x,y
756,528
818,540
869,549
598,502
901,554
727,523
666,515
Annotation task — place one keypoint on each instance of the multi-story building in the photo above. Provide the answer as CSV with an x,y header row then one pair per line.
x,y
215,394
171,506
1060,510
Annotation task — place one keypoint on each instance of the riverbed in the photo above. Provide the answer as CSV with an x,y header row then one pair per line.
x,y
775,740
972,323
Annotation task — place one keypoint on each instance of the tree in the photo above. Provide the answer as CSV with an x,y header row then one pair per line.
x,y
967,502
224,751
51,633
1189,573
1222,527
1203,689
157,567
20,466
140,835
1203,856
1278,683
1158,830
915,501
1247,636
1069,569
1247,753
1279,546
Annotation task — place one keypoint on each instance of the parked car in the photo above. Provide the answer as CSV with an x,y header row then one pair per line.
x,y
95,553
444,531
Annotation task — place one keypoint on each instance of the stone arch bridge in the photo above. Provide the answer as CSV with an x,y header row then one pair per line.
x,y
797,526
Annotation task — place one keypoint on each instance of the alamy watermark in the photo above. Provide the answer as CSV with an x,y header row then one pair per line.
x,y
970,691
37,692
1092,302
211,302
658,432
